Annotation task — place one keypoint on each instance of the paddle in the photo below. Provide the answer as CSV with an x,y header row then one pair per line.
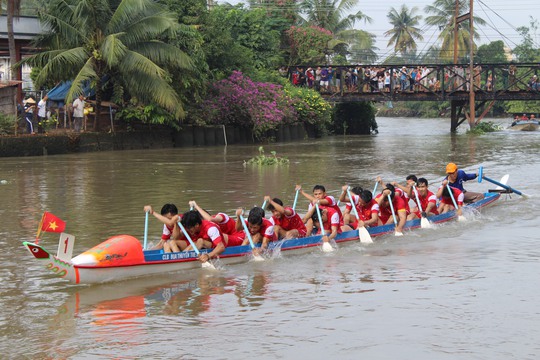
x,y
326,247
482,177
295,199
256,257
145,229
424,222
264,204
458,210
206,264
375,188
363,234
397,233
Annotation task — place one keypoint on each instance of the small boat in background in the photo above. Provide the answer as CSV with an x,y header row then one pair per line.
x,y
525,125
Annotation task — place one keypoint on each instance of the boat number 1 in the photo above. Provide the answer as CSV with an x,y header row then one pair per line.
x,y
65,246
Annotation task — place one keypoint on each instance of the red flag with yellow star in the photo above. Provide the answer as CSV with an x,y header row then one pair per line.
x,y
51,223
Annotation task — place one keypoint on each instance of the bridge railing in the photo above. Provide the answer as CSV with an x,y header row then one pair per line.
x,y
433,82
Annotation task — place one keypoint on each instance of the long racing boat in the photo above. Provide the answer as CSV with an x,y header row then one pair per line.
x,y
122,256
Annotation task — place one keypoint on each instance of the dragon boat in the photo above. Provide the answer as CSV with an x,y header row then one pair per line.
x,y
122,256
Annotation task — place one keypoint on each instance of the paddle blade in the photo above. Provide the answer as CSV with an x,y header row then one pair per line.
x,y
365,237
462,218
504,181
424,223
257,257
208,265
326,247
398,233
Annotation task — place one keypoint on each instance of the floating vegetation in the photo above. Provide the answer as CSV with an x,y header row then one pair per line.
x,y
485,127
263,159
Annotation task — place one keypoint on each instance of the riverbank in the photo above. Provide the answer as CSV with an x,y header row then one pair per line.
x,y
65,142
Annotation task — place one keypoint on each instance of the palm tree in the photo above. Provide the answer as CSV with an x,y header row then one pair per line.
x,y
362,46
404,33
119,40
334,15
443,17
13,7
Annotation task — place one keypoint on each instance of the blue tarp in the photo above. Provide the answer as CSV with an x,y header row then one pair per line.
x,y
59,92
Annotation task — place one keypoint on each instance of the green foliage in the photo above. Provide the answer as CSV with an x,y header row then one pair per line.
x,y
310,107
8,123
263,159
355,118
309,44
491,53
484,127
530,106
147,114
526,51
236,38
49,123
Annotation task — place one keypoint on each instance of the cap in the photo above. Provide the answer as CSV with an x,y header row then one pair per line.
x,y
29,101
450,168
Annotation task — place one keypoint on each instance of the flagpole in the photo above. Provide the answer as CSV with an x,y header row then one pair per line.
x,y
39,228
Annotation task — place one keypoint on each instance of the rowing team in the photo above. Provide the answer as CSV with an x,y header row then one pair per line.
x,y
216,232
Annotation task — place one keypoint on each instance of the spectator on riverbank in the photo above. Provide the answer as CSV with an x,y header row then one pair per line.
x,y
42,113
78,113
29,106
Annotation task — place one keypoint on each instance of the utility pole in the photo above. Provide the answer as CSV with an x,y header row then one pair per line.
x,y
472,109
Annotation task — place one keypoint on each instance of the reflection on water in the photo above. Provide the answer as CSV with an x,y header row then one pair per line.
x,y
447,292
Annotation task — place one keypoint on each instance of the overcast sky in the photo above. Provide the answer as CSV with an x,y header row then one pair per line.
x,y
502,17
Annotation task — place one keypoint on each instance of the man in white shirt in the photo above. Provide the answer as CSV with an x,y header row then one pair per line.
x,y
78,113
42,112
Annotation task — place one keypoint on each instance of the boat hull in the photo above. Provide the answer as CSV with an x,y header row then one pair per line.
x,y
152,262
525,126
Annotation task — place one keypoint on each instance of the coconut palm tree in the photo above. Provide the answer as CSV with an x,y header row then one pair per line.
x,y
404,33
334,15
443,12
119,40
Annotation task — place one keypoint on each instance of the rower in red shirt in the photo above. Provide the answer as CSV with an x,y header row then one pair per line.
x,y
205,234
446,203
287,223
428,201
171,234
324,200
260,229
330,220
366,206
227,225
385,212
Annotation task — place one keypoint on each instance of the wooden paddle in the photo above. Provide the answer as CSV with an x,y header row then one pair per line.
x,y
363,234
206,264
458,210
326,247
424,222
504,186
397,233
256,257
145,230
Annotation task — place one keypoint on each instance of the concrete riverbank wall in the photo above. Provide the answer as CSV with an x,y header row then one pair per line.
x,y
54,143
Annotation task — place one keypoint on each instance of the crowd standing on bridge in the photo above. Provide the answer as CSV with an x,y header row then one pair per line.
x,y
395,203
414,79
